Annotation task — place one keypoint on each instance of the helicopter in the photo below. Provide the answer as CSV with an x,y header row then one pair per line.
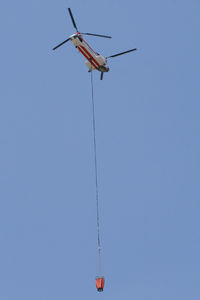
x,y
95,61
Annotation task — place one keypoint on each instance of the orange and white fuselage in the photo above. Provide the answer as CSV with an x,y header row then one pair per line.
x,y
94,60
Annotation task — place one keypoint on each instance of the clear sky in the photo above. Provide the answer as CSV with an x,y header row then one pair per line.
x,y
147,114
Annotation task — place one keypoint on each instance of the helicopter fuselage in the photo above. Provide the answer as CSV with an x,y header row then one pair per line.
x,y
94,60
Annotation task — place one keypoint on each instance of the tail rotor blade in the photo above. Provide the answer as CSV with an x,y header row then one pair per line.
x,y
101,76
61,44
122,53
73,21
99,35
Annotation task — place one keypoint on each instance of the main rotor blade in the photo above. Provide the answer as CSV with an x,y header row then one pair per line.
x,y
73,21
122,53
99,35
61,44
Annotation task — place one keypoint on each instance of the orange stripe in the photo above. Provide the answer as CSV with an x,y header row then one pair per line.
x,y
88,58
88,53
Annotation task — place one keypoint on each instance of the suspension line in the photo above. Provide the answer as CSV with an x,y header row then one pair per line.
x,y
96,174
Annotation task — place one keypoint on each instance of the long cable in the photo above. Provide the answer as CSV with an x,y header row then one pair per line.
x,y
96,174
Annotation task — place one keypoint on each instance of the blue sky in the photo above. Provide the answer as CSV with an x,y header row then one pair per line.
x,y
147,114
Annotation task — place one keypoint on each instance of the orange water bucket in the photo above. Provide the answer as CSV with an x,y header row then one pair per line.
x,y
100,283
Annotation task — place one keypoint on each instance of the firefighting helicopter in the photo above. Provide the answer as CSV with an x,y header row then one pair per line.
x,y
95,61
